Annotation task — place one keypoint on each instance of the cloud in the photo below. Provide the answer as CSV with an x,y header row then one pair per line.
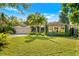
x,y
60,10
52,17
11,9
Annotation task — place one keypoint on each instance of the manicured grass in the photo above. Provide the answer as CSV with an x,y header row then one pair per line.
x,y
41,46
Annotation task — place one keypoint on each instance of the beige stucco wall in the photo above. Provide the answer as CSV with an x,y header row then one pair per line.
x,y
52,28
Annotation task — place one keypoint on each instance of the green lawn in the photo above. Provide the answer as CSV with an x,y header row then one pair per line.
x,y
53,46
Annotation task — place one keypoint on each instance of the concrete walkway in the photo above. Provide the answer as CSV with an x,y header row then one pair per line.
x,y
18,35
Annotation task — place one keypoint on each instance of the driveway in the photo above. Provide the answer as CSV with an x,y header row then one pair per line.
x,y
17,35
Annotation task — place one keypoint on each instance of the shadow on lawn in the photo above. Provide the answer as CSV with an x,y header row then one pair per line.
x,y
3,45
32,38
29,39
72,38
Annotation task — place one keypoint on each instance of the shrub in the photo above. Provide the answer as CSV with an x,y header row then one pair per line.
x,y
56,33
3,40
33,33
30,38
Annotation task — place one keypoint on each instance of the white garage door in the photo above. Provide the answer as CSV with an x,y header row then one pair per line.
x,y
22,30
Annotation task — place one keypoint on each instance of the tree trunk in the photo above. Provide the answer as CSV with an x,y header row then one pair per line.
x,y
66,28
44,29
39,29
36,29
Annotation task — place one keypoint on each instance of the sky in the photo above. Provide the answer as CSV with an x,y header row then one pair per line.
x,y
50,10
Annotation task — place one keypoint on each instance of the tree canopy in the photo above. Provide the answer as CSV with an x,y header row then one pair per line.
x,y
36,20
72,11
63,18
16,6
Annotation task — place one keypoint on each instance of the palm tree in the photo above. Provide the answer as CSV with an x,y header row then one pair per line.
x,y
3,18
15,21
36,20
31,21
3,22
42,21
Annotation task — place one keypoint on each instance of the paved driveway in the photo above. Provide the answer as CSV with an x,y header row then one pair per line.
x,y
17,35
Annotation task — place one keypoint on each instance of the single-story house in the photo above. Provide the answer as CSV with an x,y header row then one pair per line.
x,y
26,29
52,27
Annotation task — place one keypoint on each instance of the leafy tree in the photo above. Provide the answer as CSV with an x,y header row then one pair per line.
x,y
72,11
16,6
64,17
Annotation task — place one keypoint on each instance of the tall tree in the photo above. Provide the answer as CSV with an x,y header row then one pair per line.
x,y
72,12
64,14
36,20
64,18
3,22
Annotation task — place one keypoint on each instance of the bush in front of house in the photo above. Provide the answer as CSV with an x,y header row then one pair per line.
x,y
55,34
3,40
34,33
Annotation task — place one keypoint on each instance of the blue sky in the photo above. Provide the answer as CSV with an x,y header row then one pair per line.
x,y
50,10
